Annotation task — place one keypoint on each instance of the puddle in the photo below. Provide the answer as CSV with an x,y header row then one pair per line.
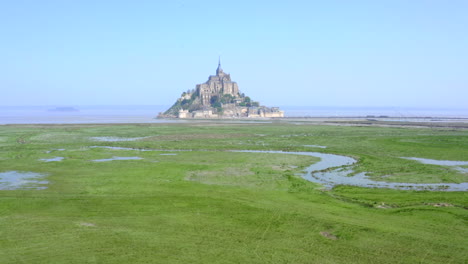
x,y
118,158
322,172
121,148
115,139
168,154
52,159
315,146
15,180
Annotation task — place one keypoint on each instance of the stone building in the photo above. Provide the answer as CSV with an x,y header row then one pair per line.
x,y
218,84
219,97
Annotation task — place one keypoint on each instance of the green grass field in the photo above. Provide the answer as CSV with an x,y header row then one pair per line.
x,y
208,205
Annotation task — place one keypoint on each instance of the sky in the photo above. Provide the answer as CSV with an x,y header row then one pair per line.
x,y
387,53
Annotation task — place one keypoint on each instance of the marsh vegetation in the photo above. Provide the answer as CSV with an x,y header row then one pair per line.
x,y
210,204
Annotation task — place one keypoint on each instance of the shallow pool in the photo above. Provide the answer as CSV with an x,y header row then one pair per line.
x,y
52,159
14,180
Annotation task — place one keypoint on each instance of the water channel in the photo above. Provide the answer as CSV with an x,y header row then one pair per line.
x,y
334,170
330,171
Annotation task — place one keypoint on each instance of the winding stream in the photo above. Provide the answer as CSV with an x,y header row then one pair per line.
x,y
334,170
329,172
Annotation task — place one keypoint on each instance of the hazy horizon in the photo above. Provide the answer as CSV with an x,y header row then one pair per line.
x,y
107,106
396,54
140,112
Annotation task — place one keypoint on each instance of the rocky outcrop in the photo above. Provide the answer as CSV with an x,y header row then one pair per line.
x,y
219,97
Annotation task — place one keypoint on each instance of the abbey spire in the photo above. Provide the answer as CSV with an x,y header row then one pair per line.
x,y
218,97
219,70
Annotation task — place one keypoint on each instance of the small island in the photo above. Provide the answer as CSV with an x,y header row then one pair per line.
x,y
219,97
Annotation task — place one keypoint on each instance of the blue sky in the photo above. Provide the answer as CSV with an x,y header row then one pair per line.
x,y
304,53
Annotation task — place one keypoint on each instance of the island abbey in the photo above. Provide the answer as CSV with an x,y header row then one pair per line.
x,y
219,97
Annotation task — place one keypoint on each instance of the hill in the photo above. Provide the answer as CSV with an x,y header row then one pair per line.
x,y
219,97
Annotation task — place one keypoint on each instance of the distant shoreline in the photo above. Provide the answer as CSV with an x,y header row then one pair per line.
x,y
147,114
447,123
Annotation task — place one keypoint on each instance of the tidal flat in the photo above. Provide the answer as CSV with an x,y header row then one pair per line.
x,y
213,204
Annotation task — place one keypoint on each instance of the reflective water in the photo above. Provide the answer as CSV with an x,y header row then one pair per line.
x,y
14,180
341,177
455,164
52,159
315,146
118,158
334,170
86,114
146,114
322,172
439,162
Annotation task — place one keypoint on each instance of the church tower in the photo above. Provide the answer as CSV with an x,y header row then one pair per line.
x,y
218,97
219,70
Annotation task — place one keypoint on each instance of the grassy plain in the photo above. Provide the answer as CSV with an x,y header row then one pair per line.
x,y
213,206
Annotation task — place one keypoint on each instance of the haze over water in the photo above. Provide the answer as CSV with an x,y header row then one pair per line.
x,y
147,114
